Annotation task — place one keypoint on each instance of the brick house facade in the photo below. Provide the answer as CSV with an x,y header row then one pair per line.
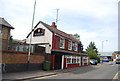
x,y
64,49
115,55
5,28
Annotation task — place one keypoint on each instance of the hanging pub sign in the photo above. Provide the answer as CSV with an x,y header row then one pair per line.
x,y
39,32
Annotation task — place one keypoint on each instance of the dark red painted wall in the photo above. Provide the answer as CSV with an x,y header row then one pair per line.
x,y
57,42
64,63
53,41
66,44
85,64
73,65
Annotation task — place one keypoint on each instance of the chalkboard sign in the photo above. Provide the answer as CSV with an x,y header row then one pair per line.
x,y
39,32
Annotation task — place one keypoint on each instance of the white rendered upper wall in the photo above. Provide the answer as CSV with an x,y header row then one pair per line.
x,y
46,38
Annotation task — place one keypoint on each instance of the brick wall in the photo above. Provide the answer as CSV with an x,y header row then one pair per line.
x,y
4,44
5,33
21,57
13,61
113,56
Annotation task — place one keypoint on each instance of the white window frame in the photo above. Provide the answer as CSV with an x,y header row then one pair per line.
x,y
76,46
62,39
69,47
75,58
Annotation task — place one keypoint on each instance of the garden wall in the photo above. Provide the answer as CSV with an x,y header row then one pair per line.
x,y
13,61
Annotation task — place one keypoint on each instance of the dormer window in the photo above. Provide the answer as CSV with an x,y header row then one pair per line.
x,y
62,42
39,32
69,45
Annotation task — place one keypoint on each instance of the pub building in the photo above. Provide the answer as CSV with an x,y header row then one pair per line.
x,y
63,49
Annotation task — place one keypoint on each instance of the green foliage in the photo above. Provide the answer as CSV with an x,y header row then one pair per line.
x,y
98,59
81,47
76,36
92,51
10,42
92,54
10,38
92,47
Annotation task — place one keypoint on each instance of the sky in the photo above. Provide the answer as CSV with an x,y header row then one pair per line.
x,y
93,20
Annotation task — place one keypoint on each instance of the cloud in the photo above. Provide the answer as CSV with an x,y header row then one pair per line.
x,y
93,20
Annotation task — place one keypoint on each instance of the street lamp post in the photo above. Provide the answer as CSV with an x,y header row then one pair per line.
x,y
102,45
29,51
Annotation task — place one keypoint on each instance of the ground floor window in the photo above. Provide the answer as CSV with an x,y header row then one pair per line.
x,y
78,60
73,59
68,60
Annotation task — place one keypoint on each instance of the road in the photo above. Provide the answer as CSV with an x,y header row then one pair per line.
x,y
104,71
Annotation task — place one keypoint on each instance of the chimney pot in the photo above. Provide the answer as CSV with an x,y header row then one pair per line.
x,y
53,25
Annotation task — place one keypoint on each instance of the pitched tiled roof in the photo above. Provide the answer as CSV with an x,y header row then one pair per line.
x,y
5,23
57,31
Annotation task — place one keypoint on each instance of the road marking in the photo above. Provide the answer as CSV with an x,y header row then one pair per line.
x,y
45,77
115,77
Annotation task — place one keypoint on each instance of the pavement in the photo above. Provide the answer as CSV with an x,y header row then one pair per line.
x,y
37,73
40,73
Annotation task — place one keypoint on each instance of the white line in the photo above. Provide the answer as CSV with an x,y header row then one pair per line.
x,y
116,76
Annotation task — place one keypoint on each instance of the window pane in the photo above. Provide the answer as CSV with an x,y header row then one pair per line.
x,y
78,60
75,46
61,43
70,45
73,60
68,60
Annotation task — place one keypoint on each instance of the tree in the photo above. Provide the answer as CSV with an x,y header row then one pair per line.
x,y
10,40
81,47
92,47
76,36
92,51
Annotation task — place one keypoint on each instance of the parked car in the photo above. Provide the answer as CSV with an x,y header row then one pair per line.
x,y
93,61
118,61
105,60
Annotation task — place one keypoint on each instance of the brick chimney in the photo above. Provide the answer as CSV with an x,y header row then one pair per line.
x,y
54,25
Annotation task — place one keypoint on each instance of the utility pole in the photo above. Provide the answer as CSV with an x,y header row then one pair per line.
x,y
29,53
102,45
57,17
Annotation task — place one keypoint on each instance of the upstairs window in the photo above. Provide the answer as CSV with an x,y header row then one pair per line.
x,y
69,45
62,42
75,46
39,32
